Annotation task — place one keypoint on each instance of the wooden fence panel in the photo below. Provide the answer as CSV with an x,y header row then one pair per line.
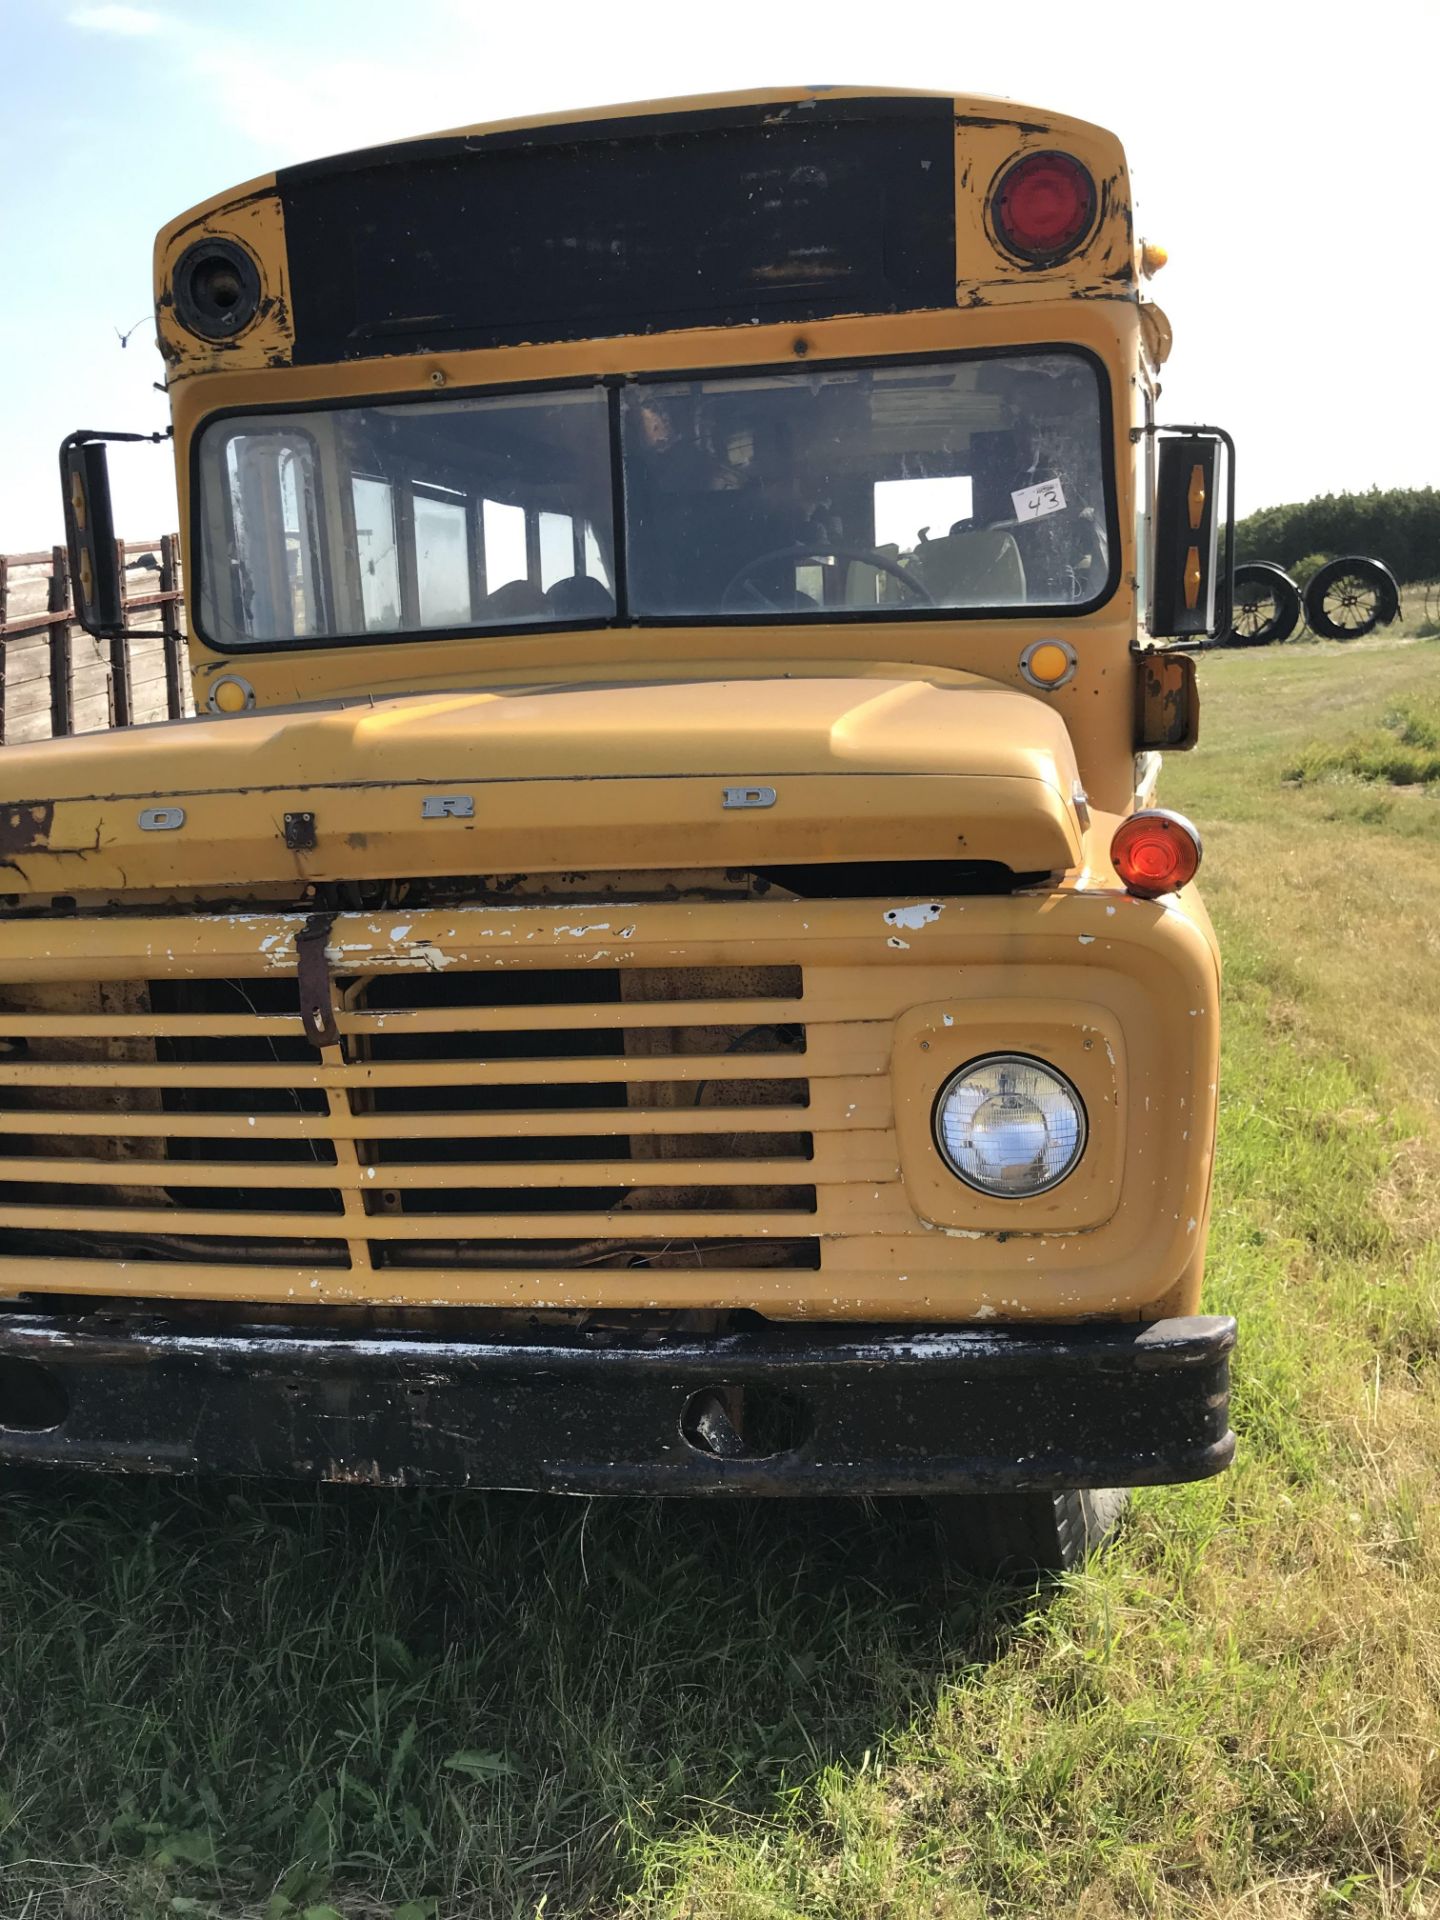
x,y
55,679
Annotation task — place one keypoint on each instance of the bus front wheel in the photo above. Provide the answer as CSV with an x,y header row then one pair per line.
x,y
1014,1536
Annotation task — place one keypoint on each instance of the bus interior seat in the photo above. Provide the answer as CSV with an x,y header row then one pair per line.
x,y
974,567
579,597
867,585
516,600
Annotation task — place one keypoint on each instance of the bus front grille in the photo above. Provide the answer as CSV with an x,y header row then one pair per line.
x,y
467,1125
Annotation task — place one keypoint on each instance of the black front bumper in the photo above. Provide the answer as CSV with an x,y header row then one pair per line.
x,y
781,1409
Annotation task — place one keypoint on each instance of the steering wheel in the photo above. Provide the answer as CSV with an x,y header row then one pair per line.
x,y
870,556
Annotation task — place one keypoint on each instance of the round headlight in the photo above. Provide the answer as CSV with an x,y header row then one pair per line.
x,y
1009,1126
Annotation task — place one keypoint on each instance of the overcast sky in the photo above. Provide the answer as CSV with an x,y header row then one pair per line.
x,y
1286,156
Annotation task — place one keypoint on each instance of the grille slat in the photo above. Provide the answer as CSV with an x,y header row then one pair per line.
x,y
719,1173
544,1072
474,1225
840,1049
402,1019
631,1285
835,1105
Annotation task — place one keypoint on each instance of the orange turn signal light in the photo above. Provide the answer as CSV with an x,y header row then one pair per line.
x,y
1155,852
1152,258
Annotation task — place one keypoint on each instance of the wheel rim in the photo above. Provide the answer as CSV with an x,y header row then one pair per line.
x,y
1257,609
1351,604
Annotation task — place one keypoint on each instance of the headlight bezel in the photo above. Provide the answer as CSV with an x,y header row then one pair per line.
x,y
997,1060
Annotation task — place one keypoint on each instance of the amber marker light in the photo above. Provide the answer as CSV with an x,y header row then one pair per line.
x,y
1155,852
1048,663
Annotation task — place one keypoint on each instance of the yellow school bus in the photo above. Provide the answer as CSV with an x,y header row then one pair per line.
x,y
657,966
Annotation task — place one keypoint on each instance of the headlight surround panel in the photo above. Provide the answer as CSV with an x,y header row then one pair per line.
x,y
1001,1114
1080,1040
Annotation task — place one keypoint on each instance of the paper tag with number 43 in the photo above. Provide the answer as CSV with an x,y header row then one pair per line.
x,y
1034,502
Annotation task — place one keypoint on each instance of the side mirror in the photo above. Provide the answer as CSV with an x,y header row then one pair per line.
x,y
1193,591
96,580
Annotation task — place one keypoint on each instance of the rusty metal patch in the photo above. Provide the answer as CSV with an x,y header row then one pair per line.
x,y
317,993
25,828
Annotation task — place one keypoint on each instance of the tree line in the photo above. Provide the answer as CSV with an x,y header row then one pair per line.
x,y
1400,526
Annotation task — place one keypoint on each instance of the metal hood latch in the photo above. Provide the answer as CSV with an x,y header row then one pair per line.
x,y
317,992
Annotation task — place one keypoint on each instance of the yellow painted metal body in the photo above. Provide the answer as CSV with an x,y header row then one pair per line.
x,y
604,753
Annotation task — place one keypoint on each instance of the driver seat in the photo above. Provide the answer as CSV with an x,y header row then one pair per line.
x,y
977,567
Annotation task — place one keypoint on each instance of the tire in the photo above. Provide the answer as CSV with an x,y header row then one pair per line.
x,y
1014,1536
1351,597
1267,605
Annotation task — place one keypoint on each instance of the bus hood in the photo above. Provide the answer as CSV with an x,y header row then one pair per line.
x,y
661,773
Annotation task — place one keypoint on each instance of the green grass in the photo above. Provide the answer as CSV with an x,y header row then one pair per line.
x,y
237,1701
1404,751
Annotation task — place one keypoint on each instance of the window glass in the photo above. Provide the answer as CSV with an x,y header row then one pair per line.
x,y
379,558
504,543
595,568
270,484
442,562
425,480
977,483
906,508
557,548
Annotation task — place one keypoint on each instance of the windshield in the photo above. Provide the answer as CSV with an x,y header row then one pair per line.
x,y
974,484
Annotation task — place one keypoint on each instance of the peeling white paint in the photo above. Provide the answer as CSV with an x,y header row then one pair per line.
x,y
894,941
948,1018
1087,939
912,917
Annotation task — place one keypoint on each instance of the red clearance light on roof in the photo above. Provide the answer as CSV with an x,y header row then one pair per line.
x,y
1155,852
1043,207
